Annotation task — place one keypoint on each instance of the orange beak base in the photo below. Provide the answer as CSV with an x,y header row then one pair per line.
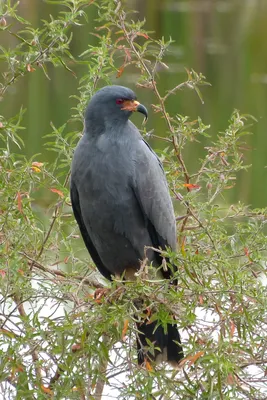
x,y
134,105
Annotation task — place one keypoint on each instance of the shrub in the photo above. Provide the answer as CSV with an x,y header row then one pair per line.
x,y
58,339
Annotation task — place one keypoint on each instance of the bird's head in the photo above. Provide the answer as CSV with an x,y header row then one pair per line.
x,y
112,105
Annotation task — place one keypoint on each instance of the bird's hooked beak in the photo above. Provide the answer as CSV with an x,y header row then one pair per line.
x,y
134,105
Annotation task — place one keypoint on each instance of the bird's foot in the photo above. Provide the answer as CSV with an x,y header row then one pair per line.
x,y
100,293
108,294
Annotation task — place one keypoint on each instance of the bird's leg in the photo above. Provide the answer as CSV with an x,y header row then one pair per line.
x,y
143,270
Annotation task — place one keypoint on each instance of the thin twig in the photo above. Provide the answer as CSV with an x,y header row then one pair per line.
x,y
102,372
253,362
57,272
55,215
33,352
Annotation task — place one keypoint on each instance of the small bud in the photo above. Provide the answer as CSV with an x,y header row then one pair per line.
x,y
3,22
209,186
30,68
37,164
33,42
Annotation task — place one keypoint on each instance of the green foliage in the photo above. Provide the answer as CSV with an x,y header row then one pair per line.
x,y
59,336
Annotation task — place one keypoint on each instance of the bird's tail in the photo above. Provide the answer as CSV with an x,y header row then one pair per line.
x,y
167,344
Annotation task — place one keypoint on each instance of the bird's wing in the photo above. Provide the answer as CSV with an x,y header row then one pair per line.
x,y
152,193
87,240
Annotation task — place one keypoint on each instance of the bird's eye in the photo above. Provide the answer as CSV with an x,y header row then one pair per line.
x,y
119,101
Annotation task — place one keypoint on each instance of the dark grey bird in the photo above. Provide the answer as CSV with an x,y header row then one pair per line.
x,y
121,201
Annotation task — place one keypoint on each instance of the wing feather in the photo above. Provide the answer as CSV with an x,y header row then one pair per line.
x,y
87,240
151,190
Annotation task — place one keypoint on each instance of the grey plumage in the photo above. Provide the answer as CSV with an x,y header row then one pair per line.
x,y
119,191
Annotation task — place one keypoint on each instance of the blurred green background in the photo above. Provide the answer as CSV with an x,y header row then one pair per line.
x,y
223,39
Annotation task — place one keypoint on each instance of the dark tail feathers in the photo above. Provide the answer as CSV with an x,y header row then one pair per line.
x,y
169,343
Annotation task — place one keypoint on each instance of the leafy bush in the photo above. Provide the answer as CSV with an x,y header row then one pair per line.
x,y
58,337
